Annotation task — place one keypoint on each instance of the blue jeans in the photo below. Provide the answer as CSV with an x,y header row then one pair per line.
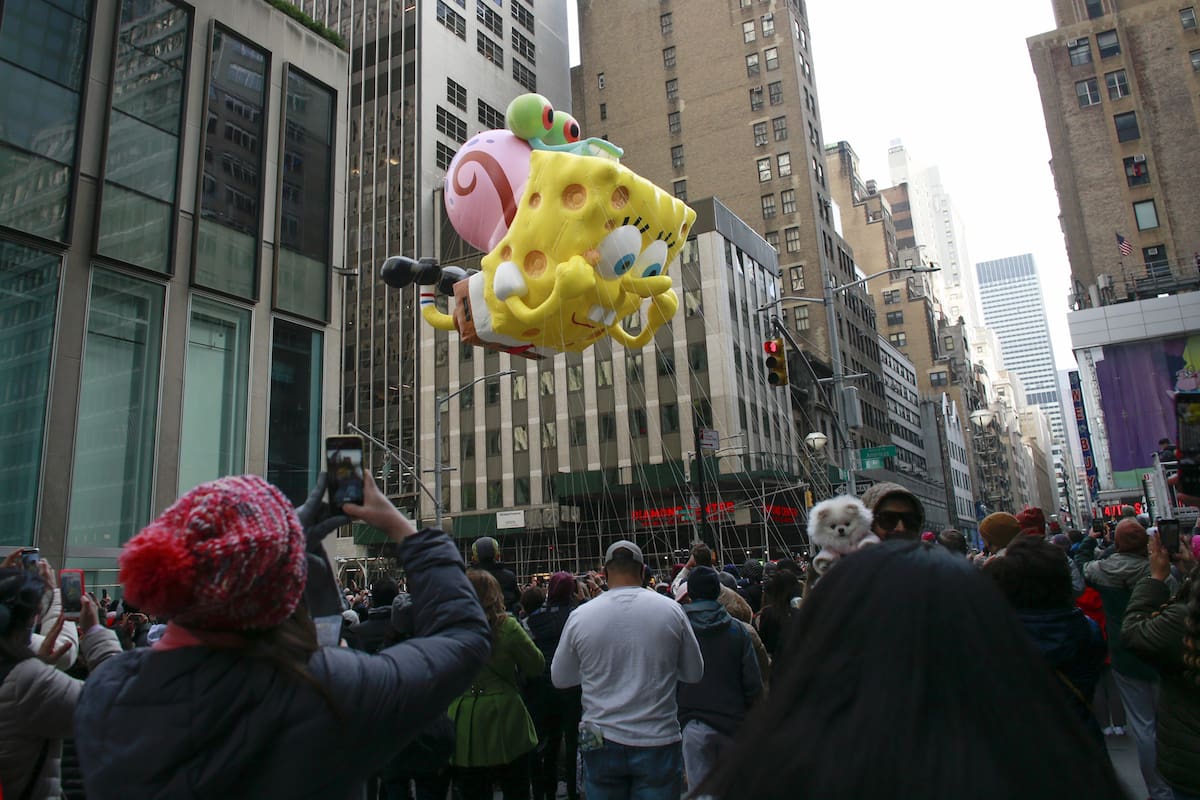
x,y
624,772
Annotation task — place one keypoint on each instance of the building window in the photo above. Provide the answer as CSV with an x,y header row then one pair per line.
x,y
898,339
549,435
1108,44
490,118
524,76
574,377
519,387
771,56
791,239
1155,258
637,422
756,98
604,375
1195,56
545,383
1127,127
948,343
679,188
891,297
668,57
752,65
760,134
665,23
779,127
764,169
451,125
466,398
748,31
1080,52
600,82
768,206
495,494
1137,171
456,94
490,19
940,378
607,424
697,357
492,442
673,89
674,125
444,155
1187,18
768,25
800,318
772,238
633,363
1095,8
520,438
489,49
895,318
524,47
1118,87
453,22
1146,215
775,90
677,156
1088,92
788,199
604,111
468,497
492,392
522,15
669,415
693,303
785,164
796,278
665,363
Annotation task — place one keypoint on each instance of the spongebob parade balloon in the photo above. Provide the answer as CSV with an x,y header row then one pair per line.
x,y
574,241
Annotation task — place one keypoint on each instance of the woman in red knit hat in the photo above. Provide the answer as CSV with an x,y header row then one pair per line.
x,y
237,699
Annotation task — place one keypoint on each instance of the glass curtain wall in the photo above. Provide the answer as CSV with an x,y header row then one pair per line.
x,y
28,298
228,239
142,163
113,483
306,218
43,52
294,437
213,439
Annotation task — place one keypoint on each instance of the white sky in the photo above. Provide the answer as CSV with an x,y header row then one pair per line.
x,y
958,89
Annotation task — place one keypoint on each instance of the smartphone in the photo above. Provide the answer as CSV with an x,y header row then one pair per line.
x,y
29,561
344,467
1187,422
70,583
1168,535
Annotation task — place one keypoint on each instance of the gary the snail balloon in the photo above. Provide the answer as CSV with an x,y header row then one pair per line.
x,y
574,241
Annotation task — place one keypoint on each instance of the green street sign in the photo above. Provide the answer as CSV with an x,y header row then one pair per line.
x,y
874,457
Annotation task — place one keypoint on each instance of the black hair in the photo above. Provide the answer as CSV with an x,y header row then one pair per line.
x,y
383,592
953,540
702,554
20,602
1033,574
905,666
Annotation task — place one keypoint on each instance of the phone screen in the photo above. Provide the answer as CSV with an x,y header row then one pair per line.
x,y
29,561
70,582
344,465
1168,535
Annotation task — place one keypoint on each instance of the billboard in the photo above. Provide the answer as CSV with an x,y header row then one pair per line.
x,y
1085,436
1138,381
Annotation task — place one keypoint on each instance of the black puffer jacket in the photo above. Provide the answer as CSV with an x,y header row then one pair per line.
x,y
201,723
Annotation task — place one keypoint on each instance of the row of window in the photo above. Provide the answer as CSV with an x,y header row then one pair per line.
x,y
749,31
782,163
787,199
774,92
1088,89
778,131
769,59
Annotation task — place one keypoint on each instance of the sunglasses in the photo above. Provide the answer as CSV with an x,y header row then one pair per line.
x,y
889,519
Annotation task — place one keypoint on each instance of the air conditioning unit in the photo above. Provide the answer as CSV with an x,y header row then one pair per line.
x,y
1151,251
1104,281
1139,158
1072,42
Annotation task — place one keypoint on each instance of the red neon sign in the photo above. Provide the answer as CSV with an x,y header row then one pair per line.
x,y
669,515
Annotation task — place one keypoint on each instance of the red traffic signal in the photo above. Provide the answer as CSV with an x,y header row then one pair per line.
x,y
773,346
776,362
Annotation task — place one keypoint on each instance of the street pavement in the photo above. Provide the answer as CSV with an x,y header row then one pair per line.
x,y
1125,761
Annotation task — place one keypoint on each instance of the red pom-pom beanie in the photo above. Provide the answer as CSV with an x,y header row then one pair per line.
x,y
227,556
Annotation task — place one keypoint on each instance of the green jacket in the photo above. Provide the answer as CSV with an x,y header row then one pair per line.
x,y
492,725
1154,627
1114,578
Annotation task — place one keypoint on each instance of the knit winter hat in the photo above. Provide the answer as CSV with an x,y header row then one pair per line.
x,y
227,556
562,586
1033,517
752,569
1131,538
703,584
999,529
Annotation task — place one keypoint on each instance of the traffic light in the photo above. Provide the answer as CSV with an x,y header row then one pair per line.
x,y
777,373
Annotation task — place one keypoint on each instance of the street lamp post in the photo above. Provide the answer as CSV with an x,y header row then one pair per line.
x,y
437,439
835,353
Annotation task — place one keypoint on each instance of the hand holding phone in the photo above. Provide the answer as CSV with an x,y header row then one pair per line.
x,y
1168,535
71,585
29,561
344,465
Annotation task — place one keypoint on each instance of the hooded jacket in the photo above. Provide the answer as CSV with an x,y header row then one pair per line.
x,y
198,722
731,681
1074,648
874,496
1154,629
1114,578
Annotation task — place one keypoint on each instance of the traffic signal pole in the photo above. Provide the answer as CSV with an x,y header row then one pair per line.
x,y
699,480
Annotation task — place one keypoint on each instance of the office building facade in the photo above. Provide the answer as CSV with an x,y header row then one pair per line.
x,y
168,250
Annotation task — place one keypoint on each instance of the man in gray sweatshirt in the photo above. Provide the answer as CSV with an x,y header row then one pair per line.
x,y
628,649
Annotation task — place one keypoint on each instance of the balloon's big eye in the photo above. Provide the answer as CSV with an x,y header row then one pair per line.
x,y
618,251
571,130
548,116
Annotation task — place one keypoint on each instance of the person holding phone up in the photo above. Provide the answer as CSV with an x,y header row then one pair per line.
x,y
1165,632
238,699
37,701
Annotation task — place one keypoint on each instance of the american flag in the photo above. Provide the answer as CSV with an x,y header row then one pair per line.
x,y
1124,245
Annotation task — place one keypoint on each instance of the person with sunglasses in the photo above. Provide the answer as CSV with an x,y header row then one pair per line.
x,y
897,512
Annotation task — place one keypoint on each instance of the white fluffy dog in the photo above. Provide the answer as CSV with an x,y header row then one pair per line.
x,y
839,526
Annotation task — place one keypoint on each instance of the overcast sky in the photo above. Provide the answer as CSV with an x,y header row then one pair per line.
x,y
958,89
